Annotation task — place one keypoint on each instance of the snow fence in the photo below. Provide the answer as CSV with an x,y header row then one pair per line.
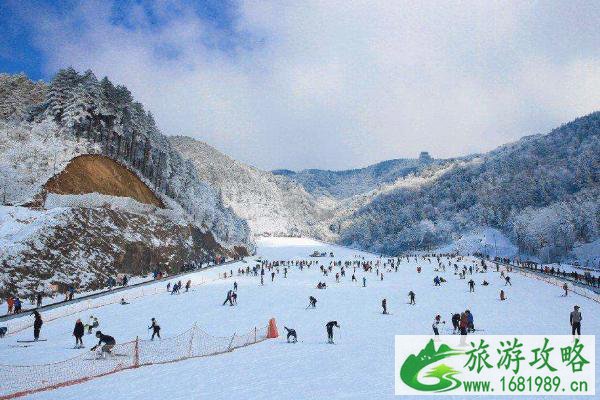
x,y
22,380
553,280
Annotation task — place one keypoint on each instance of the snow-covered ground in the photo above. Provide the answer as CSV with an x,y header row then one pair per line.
x,y
359,366
485,240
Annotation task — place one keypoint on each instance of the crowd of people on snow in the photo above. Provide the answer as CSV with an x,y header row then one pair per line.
x,y
462,322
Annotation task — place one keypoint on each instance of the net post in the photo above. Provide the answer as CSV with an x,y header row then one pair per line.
x,y
136,353
192,340
231,343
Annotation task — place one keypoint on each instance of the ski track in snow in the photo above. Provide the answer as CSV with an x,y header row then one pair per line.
x,y
359,366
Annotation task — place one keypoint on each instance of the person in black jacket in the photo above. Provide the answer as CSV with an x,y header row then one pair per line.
x,y
411,297
78,332
455,323
37,325
109,343
329,326
292,336
155,329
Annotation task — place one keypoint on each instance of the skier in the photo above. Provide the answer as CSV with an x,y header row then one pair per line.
x,y
329,326
155,329
566,289
272,276
123,302
507,279
234,298
235,286
188,284
455,322
384,306
312,302
411,296
364,281
470,324
78,333
109,343
436,281
575,319
93,324
353,278
471,286
292,337
502,295
436,324
228,298
39,300
37,325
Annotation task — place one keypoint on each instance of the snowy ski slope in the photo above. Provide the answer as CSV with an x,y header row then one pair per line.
x,y
359,366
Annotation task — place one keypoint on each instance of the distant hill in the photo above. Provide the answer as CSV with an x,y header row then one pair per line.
x,y
348,183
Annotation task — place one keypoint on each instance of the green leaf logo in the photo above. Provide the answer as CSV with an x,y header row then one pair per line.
x,y
409,372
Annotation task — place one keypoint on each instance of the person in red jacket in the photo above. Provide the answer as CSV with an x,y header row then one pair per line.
x,y
10,302
463,324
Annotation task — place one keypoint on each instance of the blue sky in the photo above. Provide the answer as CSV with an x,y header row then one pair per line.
x,y
326,84
19,52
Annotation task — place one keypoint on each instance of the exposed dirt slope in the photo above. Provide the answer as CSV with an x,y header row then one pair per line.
x,y
100,174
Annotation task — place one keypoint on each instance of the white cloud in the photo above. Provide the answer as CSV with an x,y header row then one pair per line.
x,y
338,84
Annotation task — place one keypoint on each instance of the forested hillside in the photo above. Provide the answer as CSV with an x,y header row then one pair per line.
x,y
542,191
348,183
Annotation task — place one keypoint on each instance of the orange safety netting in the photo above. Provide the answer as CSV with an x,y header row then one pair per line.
x,y
21,380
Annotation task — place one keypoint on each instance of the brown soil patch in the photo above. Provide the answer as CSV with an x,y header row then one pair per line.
x,y
100,174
